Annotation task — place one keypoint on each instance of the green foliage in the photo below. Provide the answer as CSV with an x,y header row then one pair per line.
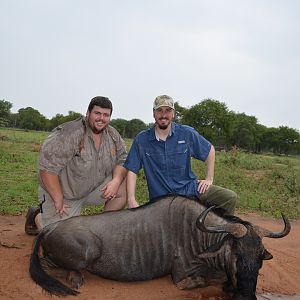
x,y
134,127
59,119
265,184
18,179
244,134
179,112
120,125
128,129
5,108
223,128
29,118
268,185
212,119
226,129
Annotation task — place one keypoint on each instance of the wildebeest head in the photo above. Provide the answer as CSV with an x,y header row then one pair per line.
x,y
243,250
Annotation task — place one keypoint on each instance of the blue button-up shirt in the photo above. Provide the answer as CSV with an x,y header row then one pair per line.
x,y
167,164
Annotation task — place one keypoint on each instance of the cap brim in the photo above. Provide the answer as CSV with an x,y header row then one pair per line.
x,y
158,106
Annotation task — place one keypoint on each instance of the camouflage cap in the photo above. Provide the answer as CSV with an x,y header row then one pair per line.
x,y
163,100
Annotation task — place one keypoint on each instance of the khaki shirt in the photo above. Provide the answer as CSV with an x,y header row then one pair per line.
x,y
69,152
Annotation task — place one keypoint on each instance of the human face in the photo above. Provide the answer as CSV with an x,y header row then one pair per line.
x,y
98,118
163,116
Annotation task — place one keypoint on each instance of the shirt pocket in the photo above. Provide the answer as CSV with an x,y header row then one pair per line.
x,y
179,158
81,166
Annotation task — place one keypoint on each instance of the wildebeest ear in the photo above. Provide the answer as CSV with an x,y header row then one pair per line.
x,y
267,255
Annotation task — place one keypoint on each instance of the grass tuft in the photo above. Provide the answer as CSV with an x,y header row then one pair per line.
x,y
265,184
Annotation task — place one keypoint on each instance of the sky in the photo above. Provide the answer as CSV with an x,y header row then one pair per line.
x,y
55,55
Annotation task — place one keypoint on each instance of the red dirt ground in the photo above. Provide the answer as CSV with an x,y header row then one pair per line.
x,y
281,275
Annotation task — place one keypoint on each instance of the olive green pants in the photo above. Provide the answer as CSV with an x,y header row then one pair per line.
x,y
223,198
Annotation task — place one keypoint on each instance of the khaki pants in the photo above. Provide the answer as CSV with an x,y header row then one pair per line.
x,y
49,215
221,197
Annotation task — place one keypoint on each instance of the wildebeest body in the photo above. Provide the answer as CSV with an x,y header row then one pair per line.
x,y
165,237
130,245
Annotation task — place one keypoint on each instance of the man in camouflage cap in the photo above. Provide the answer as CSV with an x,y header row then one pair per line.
x,y
164,152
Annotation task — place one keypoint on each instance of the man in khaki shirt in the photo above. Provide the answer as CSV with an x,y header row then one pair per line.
x,y
81,163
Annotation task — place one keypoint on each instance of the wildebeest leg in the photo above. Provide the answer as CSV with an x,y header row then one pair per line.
x,y
181,278
76,279
52,269
72,249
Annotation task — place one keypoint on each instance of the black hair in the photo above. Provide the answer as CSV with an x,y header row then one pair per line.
x,y
100,101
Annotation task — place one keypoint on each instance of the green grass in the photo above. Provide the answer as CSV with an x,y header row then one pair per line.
x,y
265,184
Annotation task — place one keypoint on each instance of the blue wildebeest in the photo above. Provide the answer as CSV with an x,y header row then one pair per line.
x,y
174,235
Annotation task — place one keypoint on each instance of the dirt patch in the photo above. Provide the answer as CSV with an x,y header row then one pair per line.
x,y
281,275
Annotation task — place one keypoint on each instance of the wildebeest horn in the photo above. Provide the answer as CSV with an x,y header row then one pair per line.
x,y
235,229
267,233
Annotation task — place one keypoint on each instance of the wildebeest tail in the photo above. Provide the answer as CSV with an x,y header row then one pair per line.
x,y
38,274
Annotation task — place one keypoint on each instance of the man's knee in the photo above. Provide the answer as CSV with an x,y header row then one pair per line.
x,y
224,199
230,202
119,201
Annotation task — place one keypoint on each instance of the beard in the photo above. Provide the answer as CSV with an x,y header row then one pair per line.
x,y
163,127
94,128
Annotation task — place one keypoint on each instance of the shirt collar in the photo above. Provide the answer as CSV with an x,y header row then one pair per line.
x,y
153,135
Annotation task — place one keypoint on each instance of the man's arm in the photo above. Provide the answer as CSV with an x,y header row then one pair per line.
x,y
110,190
210,169
131,186
53,187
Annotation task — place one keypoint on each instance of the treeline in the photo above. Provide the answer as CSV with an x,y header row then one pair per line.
x,y
224,128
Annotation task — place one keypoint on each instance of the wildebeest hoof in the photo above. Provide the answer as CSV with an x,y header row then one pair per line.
x,y
190,283
76,279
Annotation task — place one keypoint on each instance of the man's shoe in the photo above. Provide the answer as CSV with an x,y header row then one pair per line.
x,y
30,226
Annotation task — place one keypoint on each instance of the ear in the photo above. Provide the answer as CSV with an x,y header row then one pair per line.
x,y
267,255
174,113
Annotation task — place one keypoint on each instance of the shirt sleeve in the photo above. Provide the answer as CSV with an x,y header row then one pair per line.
x,y
133,162
200,146
57,150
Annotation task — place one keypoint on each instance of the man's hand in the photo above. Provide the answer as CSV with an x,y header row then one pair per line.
x,y
61,208
110,190
203,185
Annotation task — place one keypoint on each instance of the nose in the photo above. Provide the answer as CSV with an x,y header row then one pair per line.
x,y
100,117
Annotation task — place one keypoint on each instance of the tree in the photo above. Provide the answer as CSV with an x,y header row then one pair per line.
x,y
288,138
29,118
212,119
244,134
72,115
120,125
5,108
134,127
59,119
128,129
179,112
55,121
271,140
